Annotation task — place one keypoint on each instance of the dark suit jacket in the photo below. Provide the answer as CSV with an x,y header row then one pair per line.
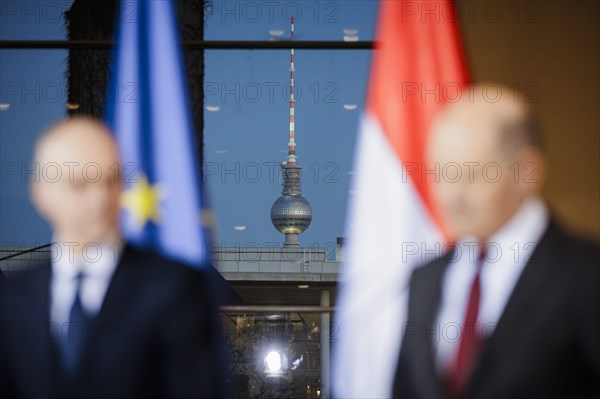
x,y
156,336
546,343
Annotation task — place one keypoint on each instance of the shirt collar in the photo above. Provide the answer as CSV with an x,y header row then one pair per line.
x,y
526,226
100,260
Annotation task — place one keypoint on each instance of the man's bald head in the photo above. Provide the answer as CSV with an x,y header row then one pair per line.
x,y
507,116
77,137
498,148
79,185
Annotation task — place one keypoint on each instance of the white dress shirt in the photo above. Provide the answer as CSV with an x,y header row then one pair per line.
x,y
97,264
506,255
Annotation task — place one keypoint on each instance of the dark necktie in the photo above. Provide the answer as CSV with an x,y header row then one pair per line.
x,y
73,342
462,365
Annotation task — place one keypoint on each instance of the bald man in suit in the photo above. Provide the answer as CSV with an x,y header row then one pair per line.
x,y
101,318
513,310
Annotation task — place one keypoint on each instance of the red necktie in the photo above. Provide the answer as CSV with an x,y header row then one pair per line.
x,y
462,365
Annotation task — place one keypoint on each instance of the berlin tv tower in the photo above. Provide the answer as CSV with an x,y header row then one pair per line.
x,y
291,213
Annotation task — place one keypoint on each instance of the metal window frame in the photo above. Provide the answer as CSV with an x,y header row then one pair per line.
x,y
193,44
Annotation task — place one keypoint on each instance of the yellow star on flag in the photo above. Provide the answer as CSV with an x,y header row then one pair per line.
x,y
141,201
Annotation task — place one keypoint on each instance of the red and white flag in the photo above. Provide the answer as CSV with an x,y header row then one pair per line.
x,y
417,68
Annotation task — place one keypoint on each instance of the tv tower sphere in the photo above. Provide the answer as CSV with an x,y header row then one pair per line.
x,y
291,213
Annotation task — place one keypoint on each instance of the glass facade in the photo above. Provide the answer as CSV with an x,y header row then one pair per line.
x,y
245,107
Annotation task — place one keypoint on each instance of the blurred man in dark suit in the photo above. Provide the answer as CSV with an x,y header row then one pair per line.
x,y
513,310
102,319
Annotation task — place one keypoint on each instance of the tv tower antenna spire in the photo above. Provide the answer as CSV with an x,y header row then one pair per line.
x,y
292,143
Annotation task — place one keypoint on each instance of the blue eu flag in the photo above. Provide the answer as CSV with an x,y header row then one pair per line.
x,y
149,112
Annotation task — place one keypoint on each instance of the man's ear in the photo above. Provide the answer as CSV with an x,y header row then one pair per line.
x,y
38,199
532,170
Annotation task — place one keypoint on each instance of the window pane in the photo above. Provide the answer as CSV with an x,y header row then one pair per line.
x,y
276,355
33,95
247,125
270,20
33,19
